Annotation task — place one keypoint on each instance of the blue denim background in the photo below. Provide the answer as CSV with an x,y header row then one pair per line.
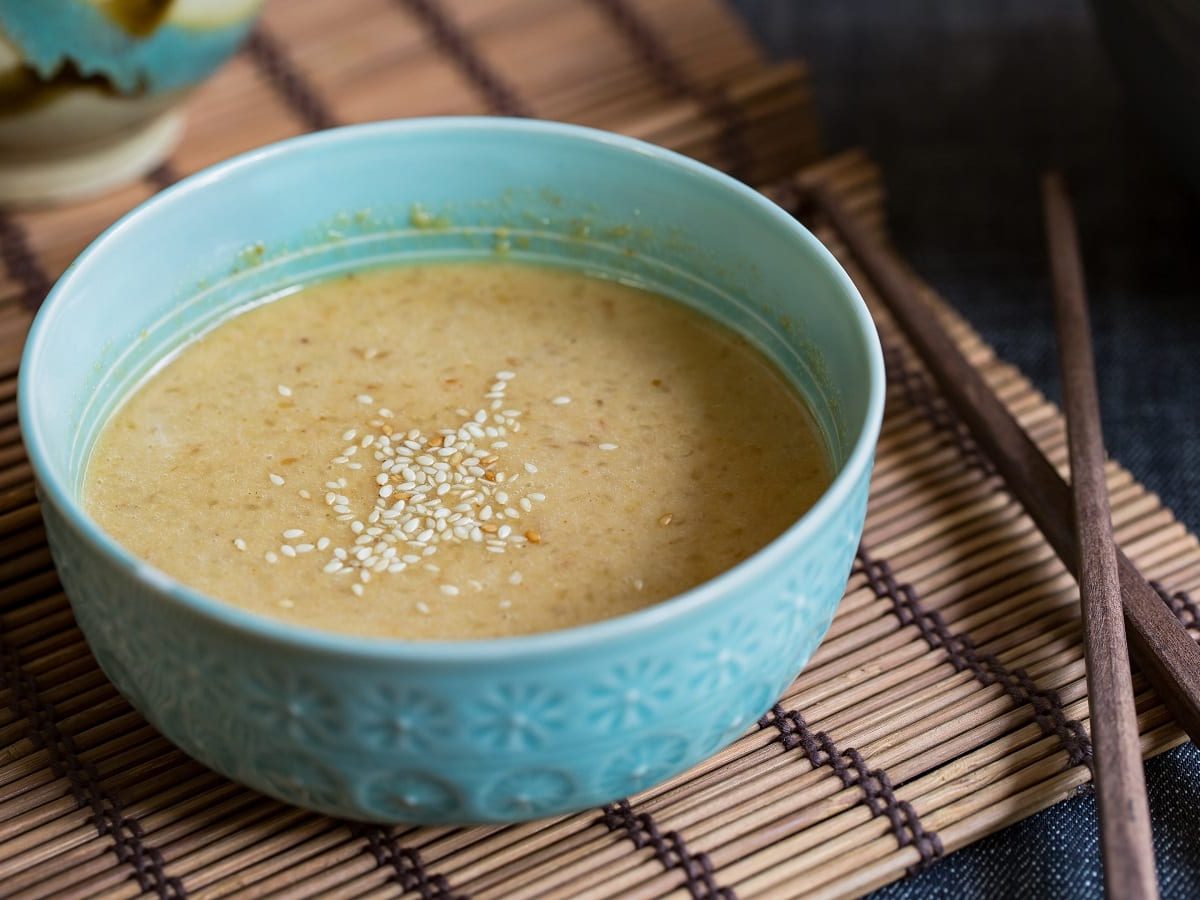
x,y
964,104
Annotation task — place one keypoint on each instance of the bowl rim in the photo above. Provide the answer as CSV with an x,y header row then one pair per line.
x,y
513,648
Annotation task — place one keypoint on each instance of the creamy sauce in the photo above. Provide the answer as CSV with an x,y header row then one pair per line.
x,y
510,450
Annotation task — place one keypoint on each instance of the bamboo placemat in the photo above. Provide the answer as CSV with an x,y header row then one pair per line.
x,y
947,701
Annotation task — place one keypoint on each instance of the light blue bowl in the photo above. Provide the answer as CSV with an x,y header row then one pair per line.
x,y
485,731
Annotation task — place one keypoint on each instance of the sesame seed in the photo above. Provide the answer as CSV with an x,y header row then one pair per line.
x,y
515,578
284,390
277,479
607,446
537,497
322,543
304,495
504,532
505,375
561,401
531,468
422,608
305,548
533,537
292,533
365,399
332,566
525,504
505,604
239,544
357,588
270,557
449,590
665,519
350,435
638,584
288,550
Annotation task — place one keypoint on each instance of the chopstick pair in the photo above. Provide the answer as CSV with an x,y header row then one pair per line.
x,y
1109,582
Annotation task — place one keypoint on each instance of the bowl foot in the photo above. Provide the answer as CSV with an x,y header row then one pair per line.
x,y
91,170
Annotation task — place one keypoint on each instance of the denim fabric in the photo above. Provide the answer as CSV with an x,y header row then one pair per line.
x,y
964,105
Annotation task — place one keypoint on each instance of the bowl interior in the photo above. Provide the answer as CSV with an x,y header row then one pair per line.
x,y
440,189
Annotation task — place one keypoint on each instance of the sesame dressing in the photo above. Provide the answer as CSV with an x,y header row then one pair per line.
x,y
456,451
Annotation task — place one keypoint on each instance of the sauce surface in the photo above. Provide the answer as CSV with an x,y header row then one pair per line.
x,y
457,451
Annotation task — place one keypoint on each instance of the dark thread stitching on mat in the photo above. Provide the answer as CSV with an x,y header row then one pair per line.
x,y
1186,609
669,849
163,175
921,396
852,770
715,104
987,669
289,82
21,263
408,869
453,40
107,814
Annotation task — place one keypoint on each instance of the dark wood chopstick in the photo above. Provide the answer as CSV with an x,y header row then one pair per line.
x,y
1164,651
1125,840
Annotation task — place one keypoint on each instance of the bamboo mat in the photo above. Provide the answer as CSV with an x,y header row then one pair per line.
x,y
947,701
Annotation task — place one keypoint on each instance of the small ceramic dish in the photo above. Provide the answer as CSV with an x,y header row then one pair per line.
x,y
89,91
484,731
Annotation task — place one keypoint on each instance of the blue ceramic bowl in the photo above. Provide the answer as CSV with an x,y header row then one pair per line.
x,y
497,730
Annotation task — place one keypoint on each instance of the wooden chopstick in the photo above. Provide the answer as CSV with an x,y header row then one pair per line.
x,y
1164,651
1125,841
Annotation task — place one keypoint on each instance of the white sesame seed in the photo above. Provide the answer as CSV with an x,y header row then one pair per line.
x,y
607,446
357,588
425,535
449,590
525,504
277,479
515,578
422,608
505,604
305,548
270,557
562,400
481,416
288,550
495,548
504,531
531,468
340,553
505,375
350,435
365,399
322,543
239,544
537,497
332,566
292,533
284,390
386,413
304,495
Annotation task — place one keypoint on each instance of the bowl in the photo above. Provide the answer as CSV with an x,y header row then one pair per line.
x,y
459,731
91,90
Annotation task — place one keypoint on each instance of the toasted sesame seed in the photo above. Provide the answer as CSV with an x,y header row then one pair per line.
x,y
533,537
665,519
277,479
284,390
